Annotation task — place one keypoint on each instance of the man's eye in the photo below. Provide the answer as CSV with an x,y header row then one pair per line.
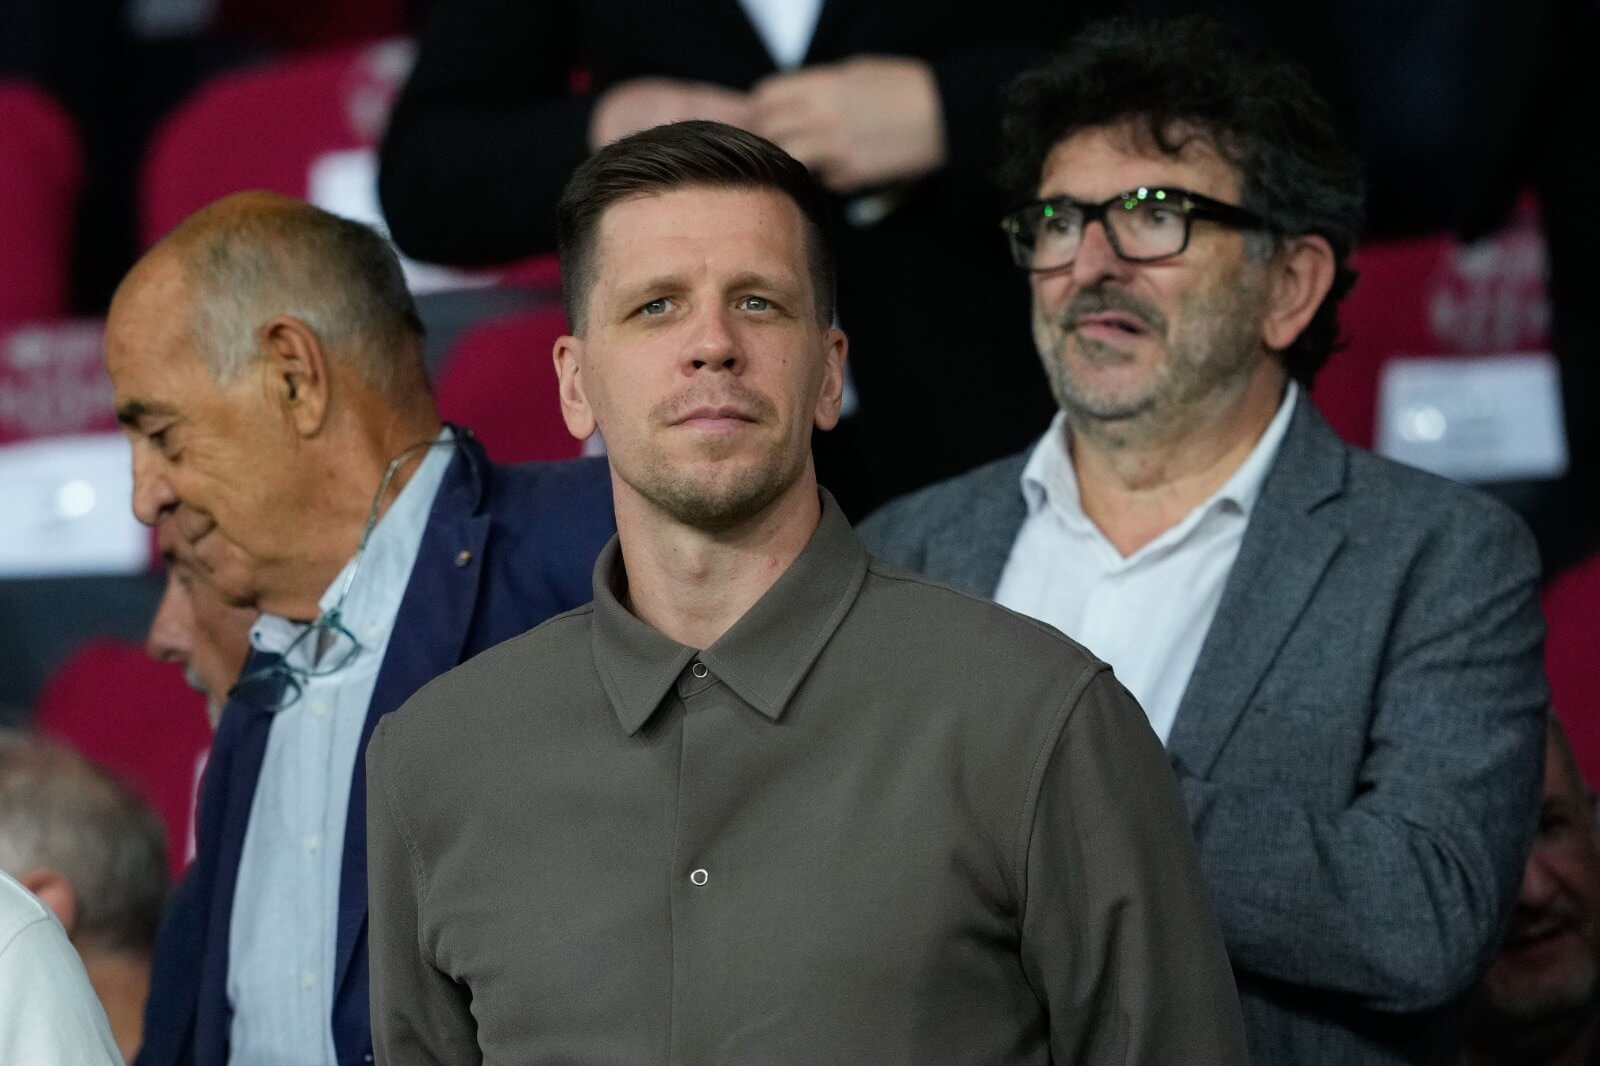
x,y
659,306
756,303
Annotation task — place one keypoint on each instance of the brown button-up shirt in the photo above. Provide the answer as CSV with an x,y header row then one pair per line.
x,y
877,822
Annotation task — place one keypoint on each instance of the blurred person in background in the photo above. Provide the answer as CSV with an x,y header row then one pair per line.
x,y
48,1012
895,110
1539,1004
93,852
266,362
196,627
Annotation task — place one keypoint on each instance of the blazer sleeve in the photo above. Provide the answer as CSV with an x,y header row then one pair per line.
x,y
419,1014
1398,898
485,133
1118,936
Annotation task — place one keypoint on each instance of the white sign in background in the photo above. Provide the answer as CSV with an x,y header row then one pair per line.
x,y
68,508
1475,418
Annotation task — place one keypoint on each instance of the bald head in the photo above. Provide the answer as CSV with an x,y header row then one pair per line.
x,y
236,264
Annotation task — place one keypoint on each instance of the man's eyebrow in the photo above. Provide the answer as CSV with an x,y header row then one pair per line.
x,y
756,279
132,412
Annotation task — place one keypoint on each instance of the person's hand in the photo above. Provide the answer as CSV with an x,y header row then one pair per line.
x,y
861,123
639,104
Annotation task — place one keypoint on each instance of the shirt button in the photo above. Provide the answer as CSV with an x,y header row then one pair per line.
x,y
699,670
319,708
699,877
308,981
313,842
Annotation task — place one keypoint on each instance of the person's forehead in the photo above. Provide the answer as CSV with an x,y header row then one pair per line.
x,y
736,227
1099,162
148,337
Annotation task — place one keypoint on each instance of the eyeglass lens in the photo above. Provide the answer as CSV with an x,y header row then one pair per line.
x,y
1136,228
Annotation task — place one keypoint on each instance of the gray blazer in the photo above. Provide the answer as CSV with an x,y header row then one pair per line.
x,y
1360,745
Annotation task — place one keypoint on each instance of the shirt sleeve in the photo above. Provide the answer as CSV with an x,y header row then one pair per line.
x,y
419,1014
49,1014
1118,936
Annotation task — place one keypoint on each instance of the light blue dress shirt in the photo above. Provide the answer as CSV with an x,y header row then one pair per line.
x,y
286,904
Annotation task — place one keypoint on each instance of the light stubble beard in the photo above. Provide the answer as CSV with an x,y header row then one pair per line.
x,y
730,493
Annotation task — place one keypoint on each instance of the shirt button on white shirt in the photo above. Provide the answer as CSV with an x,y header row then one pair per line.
x,y
699,877
308,981
313,842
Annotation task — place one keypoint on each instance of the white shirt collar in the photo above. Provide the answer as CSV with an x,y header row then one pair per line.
x,y
1049,477
374,600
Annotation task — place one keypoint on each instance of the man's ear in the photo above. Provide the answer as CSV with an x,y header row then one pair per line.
x,y
831,398
55,892
1301,274
297,373
567,356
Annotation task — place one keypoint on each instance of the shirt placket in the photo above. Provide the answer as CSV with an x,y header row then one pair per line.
x,y
698,878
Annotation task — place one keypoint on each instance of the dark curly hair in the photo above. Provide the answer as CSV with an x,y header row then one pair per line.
x,y
1175,77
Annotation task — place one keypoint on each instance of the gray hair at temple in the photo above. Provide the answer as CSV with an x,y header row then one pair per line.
x,y
255,255
60,812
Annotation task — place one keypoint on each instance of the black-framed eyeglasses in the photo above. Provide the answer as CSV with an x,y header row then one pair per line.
x,y
1142,225
330,646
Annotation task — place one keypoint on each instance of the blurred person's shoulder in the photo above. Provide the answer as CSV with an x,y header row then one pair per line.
x,y
19,909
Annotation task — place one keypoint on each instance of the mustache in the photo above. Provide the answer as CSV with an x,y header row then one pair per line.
x,y
1094,300
728,394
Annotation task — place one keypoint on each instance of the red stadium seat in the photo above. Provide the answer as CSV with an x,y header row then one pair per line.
x,y
265,127
140,720
306,127
1572,610
498,380
41,172
1433,296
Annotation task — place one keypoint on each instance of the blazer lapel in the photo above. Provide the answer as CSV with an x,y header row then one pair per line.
x,y
970,554
1286,549
430,632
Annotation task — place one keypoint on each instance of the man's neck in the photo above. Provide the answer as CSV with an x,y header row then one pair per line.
x,y
336,504
1137,483
692,585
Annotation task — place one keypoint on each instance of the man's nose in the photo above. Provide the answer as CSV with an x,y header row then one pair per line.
x,y
171,636
1539,886
716,344
1096,259
152,492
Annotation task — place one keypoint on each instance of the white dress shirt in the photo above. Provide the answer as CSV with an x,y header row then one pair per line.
x,y
785,27
286,904
49,1014
1146,614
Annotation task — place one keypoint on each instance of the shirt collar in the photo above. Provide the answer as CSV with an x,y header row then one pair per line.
x,y
763,658
369,610
1049,477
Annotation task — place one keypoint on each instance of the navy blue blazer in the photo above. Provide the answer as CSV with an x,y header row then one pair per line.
x,y
505,548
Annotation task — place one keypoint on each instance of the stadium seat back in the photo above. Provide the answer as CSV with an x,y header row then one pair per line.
x,y
498,380
139,719
41,174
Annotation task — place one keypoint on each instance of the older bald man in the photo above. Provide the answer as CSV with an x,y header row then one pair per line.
x,y
267,366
